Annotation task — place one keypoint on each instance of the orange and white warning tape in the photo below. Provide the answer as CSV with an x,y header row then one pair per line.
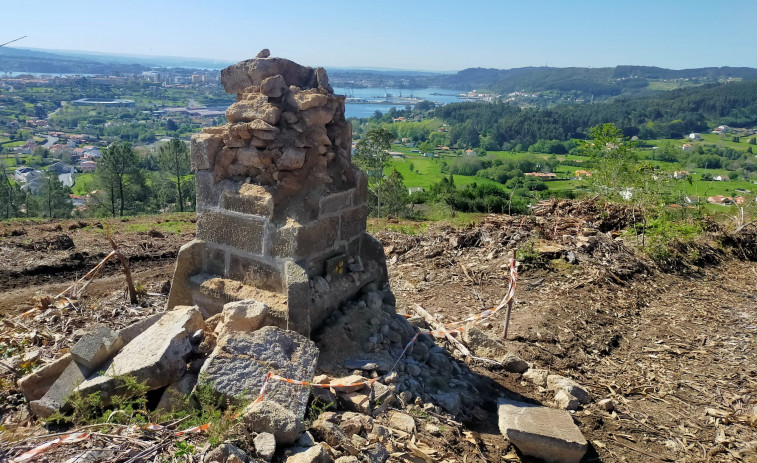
x,y
368,382
67,439
478,318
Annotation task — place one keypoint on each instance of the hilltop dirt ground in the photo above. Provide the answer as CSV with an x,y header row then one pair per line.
x,y
675,351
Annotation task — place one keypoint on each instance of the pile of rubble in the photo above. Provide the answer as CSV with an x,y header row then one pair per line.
x,y
376,387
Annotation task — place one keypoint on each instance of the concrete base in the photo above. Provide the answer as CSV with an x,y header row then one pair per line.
x,y
208,275
541,432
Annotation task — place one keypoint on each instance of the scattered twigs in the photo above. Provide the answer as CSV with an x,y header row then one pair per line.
x,y
439,327
5,365
127,272
509,307
741,227
661,457
74,290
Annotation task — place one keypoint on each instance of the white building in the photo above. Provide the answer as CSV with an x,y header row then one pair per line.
x,y
26,174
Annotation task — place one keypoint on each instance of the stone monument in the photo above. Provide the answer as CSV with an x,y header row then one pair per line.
x,y
281,208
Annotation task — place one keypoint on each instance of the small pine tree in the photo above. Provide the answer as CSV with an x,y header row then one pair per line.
x,y
53,201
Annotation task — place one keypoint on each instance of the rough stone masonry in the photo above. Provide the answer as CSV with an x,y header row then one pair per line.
x,y
281,209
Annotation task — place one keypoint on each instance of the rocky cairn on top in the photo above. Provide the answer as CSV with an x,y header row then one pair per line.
x,y
279,202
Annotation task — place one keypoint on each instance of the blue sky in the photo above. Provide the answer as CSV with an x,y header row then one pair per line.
x,y
423,35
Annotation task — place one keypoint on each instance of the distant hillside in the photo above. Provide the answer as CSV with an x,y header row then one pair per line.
x,y
650,72
22,60
597,82
671,114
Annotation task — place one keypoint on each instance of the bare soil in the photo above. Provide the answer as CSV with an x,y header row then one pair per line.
x,y
675,349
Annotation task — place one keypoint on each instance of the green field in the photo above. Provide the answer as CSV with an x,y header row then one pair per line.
x,y
709,139
427,171
84,183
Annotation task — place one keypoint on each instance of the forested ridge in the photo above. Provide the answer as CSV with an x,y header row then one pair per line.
x,y
596,82
665,115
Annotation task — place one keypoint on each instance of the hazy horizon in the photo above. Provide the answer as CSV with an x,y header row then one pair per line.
x,y
439,37
200,59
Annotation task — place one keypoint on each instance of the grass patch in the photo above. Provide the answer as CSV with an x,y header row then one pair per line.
x,y
670,242
436,214
176,227
129,407
83,184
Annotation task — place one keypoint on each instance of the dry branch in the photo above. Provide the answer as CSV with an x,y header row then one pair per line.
x,y
439,327
127,272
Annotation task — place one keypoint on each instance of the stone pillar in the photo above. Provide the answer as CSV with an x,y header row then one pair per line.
x,y
280,205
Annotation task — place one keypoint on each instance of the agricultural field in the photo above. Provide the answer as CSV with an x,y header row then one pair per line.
x,y
427,171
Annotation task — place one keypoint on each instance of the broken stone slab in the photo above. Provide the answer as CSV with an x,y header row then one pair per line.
x,y
402,421
135,329
537,376
240,362
565,401
355,423
314,454
383,393
56,397
265,445
541,432
224,453
35,385
157,357
247,316
481,344
328,432
175,394
558,382
514,363
360,364
96,347
347,383
356,401
269,416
